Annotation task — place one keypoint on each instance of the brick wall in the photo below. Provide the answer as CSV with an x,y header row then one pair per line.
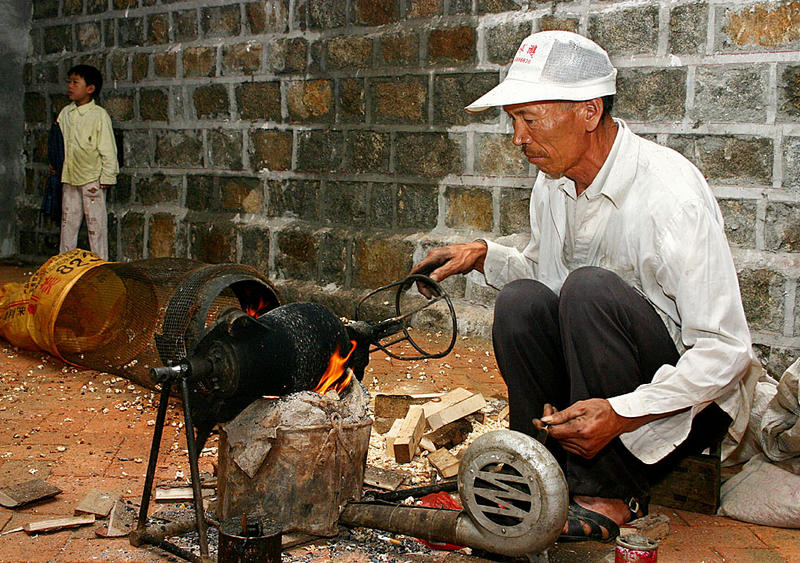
x,y
323,141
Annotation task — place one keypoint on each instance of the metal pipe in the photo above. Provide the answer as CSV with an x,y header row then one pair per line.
x,y
158,431
199,511
432,524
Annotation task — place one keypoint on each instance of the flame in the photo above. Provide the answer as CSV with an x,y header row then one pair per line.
x,y
255,310
336,376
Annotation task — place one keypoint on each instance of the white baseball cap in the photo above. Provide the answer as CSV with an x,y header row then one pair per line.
x,y
553,65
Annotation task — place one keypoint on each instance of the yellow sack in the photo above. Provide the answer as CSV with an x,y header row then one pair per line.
x,y
14,314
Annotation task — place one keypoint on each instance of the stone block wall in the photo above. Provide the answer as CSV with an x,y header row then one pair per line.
x,y
324,142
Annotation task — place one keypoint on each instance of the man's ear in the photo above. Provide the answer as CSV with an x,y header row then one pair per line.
x,y
594,113
91,88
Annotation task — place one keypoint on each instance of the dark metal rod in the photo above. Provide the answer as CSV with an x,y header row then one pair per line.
x,y
433,524
158,431
171,548
191,446
416,492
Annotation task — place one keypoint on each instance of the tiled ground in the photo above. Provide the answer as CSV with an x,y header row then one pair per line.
x,y
82,430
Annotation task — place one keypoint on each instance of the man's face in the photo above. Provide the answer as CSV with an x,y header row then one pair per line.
x,y
77,90
551,134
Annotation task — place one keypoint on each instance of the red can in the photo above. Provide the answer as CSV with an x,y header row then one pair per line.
x,y
636,548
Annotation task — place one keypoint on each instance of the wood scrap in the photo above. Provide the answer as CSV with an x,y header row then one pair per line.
x,y
653,526
447,400
381,425
20,494
391,435
179,494
53,524
407,440
97,502
445,463
503,414
121,520
387,479
427,445
396,406
451,434
471,404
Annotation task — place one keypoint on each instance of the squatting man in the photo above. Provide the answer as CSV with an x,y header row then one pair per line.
x,y
620,325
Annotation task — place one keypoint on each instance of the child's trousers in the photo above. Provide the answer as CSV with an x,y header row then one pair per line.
x,y
88,200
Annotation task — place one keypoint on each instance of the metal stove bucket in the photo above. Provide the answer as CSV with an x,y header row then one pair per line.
x,y
306,479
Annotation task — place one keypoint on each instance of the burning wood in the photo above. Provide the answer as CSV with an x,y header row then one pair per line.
x,y
336,376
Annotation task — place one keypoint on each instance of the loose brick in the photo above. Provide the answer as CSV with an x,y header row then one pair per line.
x,y
344,203
255,247
319,150
687,28
399,49
791,163
740,221
310,100
270,149
765,24
213,242
241,194
35,107
211,101
57,39
88,36
728,158
293,198
782,227
762,297
326,14
165,65
502,41
137,148
132,236
494,6
788,92
351,100
651,95
376,12
468,208
202,193
225,149
244,58
158,188
199,61
220,21
179,149
367,151
130,32
297,254
381,260
427,154
259,100
417,206
425,8
153,104
515,211
271,15
555,23
729,93
119,105
451,46
158,29
288,55
452,92
399,100
186,27
333,252
349,52
630,31
496,155
161,240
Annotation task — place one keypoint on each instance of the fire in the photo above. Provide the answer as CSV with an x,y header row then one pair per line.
x,y
336,376
255,310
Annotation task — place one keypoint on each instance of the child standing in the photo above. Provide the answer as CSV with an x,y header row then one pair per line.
x,y
90,162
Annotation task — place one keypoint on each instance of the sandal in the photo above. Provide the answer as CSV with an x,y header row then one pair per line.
x,y
601,527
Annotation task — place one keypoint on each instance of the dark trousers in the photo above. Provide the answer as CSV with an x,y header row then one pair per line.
x,y
598,338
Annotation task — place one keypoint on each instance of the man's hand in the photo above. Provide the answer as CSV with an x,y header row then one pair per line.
x,y
444,261
586,427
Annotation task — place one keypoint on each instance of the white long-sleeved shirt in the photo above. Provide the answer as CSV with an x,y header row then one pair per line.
x,y
650,217
90,152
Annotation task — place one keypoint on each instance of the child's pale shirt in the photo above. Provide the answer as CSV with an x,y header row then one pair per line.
x,y
89,147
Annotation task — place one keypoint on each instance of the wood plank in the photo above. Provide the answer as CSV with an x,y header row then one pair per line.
x,y
448,399
396,406
427,445
450,434
452,413
179,494
97,502
445,463
387,479
391,435
53,524
503,414
407,440
121,521
27,492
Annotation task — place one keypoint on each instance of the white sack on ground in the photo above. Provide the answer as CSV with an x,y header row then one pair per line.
x,y
780,424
